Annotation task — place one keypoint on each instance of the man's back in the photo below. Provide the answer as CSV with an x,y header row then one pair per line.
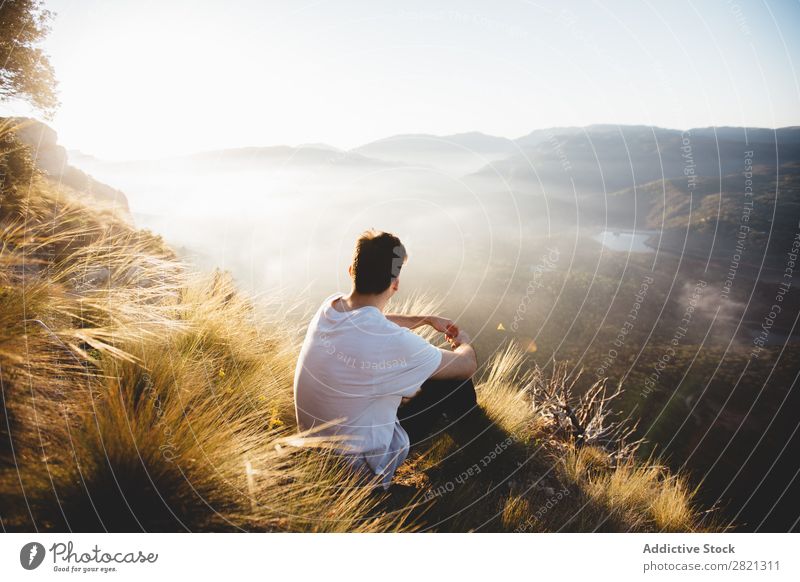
x,y
354,368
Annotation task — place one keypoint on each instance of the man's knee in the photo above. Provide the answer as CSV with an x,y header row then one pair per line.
x,y
454,397
464,396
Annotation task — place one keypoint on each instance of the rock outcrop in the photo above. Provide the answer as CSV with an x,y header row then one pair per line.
x,y
51,158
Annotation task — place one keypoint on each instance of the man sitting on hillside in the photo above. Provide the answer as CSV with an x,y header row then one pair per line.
x,y
364,376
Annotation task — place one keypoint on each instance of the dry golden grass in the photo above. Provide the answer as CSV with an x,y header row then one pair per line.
x,y
644,496
516,512
502,394
139,396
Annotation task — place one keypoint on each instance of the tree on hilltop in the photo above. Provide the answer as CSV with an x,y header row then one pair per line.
x,y
25,70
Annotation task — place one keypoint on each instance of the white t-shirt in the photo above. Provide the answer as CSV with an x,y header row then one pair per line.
x,y
354,368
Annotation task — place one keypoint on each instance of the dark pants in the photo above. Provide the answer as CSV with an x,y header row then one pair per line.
x,y
451,400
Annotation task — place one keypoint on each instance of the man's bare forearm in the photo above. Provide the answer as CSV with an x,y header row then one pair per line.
x,y
468,352
409,321
459,364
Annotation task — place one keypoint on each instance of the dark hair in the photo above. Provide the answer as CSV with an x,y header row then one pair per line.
x,y
377,260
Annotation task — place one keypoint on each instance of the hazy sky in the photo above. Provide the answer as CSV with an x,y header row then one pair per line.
x,y
147,78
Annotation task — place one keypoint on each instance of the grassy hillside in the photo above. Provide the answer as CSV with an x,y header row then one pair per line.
x,y
138,395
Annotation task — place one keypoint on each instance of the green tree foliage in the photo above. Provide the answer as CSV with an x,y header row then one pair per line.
x,y
25,70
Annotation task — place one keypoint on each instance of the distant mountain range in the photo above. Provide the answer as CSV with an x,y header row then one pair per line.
x,y
616,156
684,183
606,159
630,153
596,158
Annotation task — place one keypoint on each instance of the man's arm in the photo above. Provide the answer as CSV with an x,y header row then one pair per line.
x,y
442,324
459,364
409,321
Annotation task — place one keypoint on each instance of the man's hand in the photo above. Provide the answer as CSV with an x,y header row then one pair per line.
x,y
461,338
443,325
460,363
